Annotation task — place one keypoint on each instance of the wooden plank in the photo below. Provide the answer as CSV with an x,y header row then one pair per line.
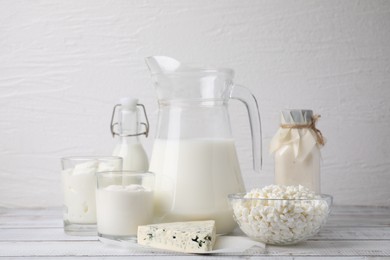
x,y
59,248
356,210
358,220
333,248
52,217
92,249
349,216
40,234
35,233
30,212
57,234
353,233
40,217
189,257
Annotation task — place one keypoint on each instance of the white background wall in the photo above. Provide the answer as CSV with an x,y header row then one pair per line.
x,y
63,64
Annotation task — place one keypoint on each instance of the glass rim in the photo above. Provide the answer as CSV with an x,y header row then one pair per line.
x,y
196,71
89,157
207,102
240,196
118,173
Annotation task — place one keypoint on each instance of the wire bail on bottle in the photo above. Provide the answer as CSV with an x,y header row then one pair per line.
x,y
114,132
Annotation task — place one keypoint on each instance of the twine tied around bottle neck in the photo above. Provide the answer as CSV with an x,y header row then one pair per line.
x,y
320,138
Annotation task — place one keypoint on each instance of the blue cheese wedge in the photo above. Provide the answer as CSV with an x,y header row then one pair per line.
x,y
188,237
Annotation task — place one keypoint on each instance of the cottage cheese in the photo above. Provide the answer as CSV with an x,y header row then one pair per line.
x,y
300,214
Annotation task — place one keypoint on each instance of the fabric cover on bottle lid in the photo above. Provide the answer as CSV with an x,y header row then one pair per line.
x,y
296,116
302,138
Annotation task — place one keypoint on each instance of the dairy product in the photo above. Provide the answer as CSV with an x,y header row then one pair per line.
x,y
121,209
79,193
79,185
189,237
133,155
290,170
193,179
296,146
128,146
280,214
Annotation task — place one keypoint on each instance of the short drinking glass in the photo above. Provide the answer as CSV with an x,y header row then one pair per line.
x,y
124,200
79,188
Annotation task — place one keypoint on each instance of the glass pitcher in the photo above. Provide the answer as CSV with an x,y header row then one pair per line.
x,y
194,155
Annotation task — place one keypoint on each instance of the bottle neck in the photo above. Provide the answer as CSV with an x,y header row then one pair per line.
x,y
128,125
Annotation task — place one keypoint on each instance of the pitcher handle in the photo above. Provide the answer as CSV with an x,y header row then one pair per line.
x,y
245,96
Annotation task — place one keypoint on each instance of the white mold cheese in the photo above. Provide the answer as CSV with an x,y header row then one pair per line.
x,y
188,237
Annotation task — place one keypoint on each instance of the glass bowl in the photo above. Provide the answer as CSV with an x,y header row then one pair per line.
x,y
280,221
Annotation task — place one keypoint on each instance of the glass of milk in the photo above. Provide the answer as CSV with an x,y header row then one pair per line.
x,y
79,188
124,200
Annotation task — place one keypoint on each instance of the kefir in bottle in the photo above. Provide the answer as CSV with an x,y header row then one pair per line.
x,y
127,132
296,147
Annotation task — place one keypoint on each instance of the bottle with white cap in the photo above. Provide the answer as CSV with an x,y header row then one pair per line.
x,y
296,147
127,130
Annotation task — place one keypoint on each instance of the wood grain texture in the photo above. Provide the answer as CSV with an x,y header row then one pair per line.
x,y
64,64
351,232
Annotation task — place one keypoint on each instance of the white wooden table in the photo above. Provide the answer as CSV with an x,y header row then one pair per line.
x,y
351,232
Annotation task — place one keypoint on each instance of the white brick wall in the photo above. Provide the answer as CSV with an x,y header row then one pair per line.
x,y
63,64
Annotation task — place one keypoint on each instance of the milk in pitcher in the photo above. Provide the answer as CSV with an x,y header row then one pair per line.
x,y
194,178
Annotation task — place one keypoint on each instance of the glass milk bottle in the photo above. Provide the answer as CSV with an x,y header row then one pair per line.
x,y
296,147
127,131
